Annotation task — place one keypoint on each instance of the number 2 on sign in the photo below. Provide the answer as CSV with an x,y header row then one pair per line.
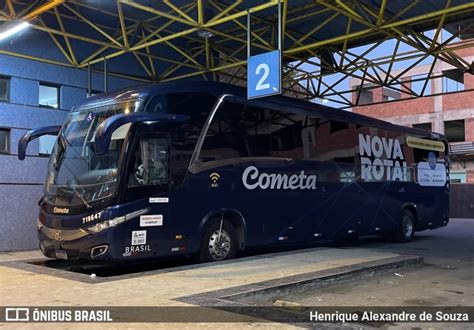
x,y
261,82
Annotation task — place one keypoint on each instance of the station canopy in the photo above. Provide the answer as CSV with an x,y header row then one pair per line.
x,y
325,42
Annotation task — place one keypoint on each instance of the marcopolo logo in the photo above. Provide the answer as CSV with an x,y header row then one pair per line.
x,y
387,158
252,179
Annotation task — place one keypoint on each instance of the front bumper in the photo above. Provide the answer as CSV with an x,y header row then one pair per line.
x,y
79,244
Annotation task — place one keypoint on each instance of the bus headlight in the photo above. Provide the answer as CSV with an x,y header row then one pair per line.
x,y
101,226
98,227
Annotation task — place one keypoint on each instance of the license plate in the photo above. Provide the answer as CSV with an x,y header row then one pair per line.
x,y
60,254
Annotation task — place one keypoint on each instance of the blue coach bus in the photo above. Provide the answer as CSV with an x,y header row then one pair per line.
x,y
196,168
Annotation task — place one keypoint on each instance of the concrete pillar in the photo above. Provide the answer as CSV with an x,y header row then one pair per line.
x,y
438,123
377,94
469,129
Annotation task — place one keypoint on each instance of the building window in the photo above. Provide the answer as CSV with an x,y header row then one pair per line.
x,y
4,140
46,144
418,84
453,81
454,130
365,96
390,95
425,126
457,176
94,93
49,96
4,89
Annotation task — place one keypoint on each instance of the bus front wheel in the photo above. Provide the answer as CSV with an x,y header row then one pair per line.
x,y
219,242
406,228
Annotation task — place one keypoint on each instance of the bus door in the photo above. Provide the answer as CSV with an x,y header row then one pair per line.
x,y
149,181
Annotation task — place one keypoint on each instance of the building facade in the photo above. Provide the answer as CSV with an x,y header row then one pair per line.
x,y
447,107
33,94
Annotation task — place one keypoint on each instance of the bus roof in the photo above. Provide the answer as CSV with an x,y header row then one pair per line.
x,y
218,89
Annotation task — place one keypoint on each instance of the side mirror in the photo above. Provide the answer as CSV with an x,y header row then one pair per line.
x,y
34,134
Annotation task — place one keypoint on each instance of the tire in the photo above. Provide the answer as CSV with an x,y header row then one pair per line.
x,y
406,228
226,250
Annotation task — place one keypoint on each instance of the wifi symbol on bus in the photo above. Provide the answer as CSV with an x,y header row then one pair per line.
x,y
214,179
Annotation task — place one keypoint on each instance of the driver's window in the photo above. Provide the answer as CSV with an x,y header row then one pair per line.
x,y
151,163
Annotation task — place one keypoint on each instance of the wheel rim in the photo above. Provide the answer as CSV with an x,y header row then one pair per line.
x,y
407,226
219,244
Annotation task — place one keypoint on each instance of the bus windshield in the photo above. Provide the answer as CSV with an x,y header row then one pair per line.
x,y
77,174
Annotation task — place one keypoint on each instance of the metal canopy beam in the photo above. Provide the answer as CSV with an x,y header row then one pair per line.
x,y
198,38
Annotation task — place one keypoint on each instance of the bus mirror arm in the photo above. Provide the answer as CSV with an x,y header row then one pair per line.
x,y
34,134
104,132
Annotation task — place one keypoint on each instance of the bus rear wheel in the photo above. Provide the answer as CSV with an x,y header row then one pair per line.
x,y
406,228
219,242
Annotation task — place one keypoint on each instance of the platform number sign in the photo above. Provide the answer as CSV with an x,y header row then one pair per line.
x,y
263,74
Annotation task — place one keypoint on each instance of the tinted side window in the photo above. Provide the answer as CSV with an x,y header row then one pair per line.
x,y
330,141
384,155
336,126
183,142
287,135
239,131
150,162
190,104
408,152
229,134
246,131
184,137
423,155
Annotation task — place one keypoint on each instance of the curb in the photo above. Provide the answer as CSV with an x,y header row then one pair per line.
x,y
297,283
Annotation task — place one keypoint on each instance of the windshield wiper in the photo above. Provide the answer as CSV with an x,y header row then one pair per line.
x,y
48,195
64,138
81,198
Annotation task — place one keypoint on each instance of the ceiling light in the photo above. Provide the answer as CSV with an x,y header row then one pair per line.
x,y
205,34
12,28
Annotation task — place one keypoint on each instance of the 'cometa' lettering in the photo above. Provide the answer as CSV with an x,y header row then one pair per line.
x,y
252,179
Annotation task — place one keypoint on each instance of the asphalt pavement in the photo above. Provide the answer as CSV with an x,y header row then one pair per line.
x,y
445,279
